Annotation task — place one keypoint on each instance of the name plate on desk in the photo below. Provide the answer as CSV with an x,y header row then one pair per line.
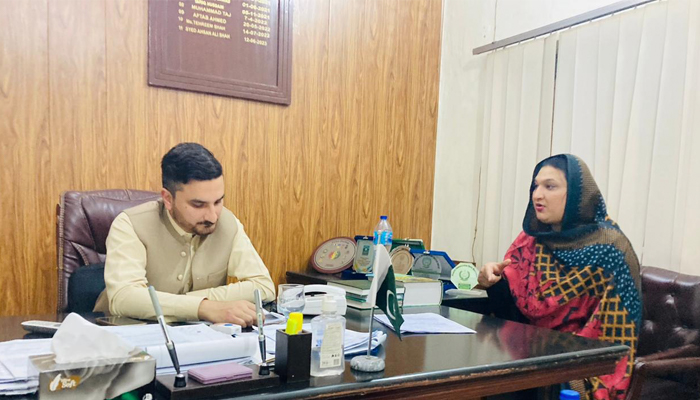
x,y
237,48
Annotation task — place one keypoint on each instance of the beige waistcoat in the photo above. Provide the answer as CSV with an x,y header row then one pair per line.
x,y
168,252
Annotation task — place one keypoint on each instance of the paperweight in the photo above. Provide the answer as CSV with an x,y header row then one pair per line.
x,y
367,363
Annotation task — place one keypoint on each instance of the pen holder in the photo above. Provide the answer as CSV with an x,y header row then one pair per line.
x,y
293,356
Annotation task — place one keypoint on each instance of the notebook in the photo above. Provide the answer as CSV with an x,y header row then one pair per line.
x,y
220,373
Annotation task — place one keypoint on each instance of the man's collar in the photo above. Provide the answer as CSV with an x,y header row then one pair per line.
x,y
177,227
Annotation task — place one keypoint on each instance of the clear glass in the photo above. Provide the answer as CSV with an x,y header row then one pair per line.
x,y
290,298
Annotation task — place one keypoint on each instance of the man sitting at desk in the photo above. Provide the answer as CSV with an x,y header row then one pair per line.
x,y
185,245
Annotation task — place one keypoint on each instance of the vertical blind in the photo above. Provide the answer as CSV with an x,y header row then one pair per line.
x,y
516,132
625,98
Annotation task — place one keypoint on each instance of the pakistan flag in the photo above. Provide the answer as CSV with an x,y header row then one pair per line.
x,y
383,288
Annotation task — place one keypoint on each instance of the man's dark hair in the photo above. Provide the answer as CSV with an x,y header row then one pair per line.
x,y
186,162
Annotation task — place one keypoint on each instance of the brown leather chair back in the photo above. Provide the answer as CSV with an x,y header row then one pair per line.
x,y
84,219
671,310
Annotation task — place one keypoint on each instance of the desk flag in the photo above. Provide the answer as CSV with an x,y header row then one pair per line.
x,y
382,291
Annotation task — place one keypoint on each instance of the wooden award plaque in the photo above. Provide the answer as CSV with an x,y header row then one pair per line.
x,y
237,48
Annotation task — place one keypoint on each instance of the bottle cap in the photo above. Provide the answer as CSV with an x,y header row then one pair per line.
x,y
568,394
328,304
382,217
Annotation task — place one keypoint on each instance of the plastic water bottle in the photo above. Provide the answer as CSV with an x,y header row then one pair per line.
x,y
568,394
383,233
327,338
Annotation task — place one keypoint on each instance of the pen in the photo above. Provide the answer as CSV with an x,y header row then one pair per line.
x,y
261,334
180,377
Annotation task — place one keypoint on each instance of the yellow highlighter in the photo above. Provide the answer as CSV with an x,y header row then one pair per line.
x,y
294,323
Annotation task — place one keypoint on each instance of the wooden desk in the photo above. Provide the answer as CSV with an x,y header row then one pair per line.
x,y
502,357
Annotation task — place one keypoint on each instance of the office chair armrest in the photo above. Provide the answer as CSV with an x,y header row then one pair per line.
x,y
689,350
659,368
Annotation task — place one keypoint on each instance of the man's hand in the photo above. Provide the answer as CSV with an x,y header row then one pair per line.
x,y
239,312
491,273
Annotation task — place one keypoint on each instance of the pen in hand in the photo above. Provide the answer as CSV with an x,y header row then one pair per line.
x,y
180,377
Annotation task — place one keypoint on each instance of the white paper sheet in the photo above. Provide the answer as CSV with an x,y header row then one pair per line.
x,y
195,344
14,355
426,323
354,343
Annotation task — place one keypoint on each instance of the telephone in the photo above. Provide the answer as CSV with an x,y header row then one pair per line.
x,y
314,297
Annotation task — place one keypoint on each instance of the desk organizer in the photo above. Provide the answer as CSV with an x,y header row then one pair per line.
x,y
293,356
195,390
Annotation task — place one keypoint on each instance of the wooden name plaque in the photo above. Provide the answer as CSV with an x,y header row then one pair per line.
x,y
237,48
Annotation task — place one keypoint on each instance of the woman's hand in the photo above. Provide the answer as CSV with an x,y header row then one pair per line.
x,y
491,273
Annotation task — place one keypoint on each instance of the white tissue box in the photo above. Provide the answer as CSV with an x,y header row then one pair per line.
x,y
95,379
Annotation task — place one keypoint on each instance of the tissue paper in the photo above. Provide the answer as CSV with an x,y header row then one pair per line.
x,y
78,340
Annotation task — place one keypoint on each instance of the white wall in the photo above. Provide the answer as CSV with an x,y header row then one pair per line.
x,y
468,24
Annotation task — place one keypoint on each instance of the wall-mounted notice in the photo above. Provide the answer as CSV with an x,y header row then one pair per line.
x,y
238,48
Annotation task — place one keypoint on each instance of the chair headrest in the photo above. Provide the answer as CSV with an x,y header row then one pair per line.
x,y
84,219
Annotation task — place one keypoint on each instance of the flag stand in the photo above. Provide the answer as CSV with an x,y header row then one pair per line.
x,y
381,267
368,363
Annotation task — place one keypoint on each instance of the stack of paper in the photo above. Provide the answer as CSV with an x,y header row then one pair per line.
x,y
426,323
195,344
15,377
355,342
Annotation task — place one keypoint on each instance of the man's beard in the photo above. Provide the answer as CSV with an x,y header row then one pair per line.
x,y
203,228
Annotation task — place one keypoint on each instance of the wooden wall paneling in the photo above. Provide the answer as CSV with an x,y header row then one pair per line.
x,y
27,273
418,120
345,24
279,213
306,131
237,161
395,106
364,135
77,94
131,152
161,131
191,122
163,127
214,135
262,130
375,130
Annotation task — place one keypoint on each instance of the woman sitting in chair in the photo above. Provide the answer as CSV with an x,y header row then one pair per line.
x,y
572,269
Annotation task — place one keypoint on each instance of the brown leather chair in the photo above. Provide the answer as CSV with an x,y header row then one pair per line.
x,y
668,353
84,219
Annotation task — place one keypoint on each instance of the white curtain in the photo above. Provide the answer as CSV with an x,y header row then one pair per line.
x,y
627,102
623,93
516,112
